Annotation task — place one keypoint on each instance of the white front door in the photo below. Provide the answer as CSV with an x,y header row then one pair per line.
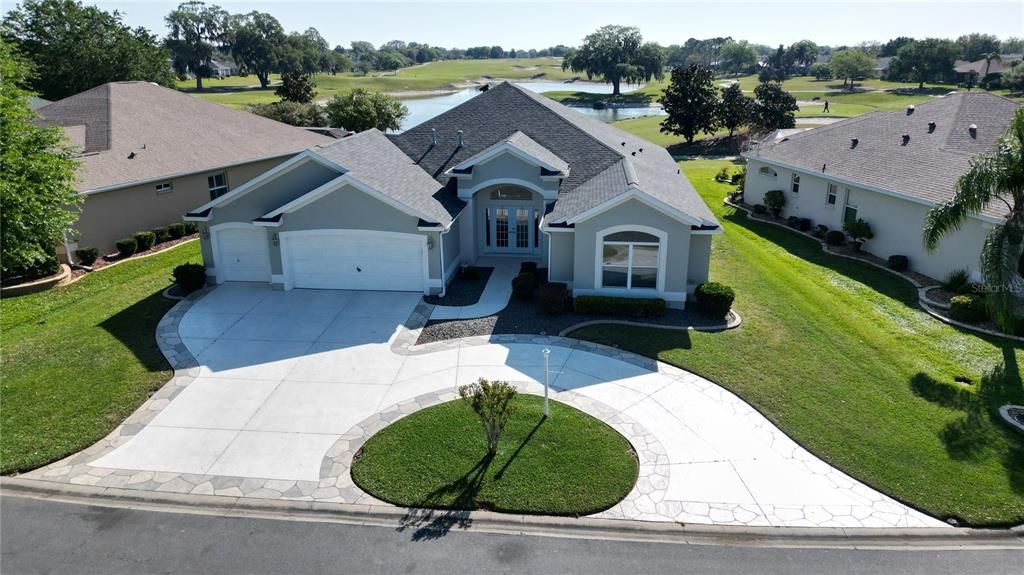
x,y
512,229
354,259
242,253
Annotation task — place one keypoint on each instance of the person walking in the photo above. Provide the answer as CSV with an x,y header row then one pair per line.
x,y
825,111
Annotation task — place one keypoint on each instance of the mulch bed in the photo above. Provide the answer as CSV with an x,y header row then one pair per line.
x,y
463,291
109,259
527,317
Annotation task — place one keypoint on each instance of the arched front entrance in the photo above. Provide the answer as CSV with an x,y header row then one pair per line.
x,y
510,220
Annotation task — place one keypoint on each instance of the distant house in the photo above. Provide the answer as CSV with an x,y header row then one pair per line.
x,y
889,169
882,67
223,68
150,153
997,65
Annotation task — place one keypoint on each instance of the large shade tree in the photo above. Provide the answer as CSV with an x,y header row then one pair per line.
x,y
37,192
926,60
195,30
737,57
773,108
255,41
616,54
852,65
75,47
734,109
996,179
691,102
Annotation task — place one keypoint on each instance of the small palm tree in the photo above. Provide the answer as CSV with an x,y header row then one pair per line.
x,y
992,179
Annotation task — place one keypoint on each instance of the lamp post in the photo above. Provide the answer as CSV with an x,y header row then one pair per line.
x,y
547,354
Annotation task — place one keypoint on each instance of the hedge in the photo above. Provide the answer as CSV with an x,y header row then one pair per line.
x,y
127,247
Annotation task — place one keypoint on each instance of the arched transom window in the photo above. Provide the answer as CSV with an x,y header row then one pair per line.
x,y
631,260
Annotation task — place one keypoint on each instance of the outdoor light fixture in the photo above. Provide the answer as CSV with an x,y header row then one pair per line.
x,y
206,233
430,242
274,238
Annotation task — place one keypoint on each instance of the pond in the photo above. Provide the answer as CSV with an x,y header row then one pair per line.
x,y
423,109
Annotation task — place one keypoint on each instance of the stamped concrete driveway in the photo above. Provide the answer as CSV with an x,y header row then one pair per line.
x,y
285,378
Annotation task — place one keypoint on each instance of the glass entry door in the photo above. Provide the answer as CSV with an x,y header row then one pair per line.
x,y
512,231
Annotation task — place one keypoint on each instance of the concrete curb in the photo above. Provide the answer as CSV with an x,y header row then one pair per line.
x,y
584,527
38,285
734,322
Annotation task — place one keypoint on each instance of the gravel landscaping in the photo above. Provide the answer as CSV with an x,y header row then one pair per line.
x,y
463,291
526,317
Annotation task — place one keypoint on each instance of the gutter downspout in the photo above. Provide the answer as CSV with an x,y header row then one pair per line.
x,y
67,252
440,243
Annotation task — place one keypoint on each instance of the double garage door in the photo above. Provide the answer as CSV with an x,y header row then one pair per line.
x,y
354,259
325,259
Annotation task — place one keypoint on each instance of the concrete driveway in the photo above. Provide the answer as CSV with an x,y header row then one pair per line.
x,y
287,379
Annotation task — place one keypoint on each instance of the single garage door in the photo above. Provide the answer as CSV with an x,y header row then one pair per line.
x,y
354,259
242,254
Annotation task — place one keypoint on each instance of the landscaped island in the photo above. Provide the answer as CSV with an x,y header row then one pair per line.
x,y
568,464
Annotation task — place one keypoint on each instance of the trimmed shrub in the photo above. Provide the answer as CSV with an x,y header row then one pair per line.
x,y
87,256
819,231
858,230
190,277
160,235
523,286
775,200
760,209
175,231
722,175
803,224
835,238
968,308
793,222
714,299
899,263
191,228
554,297
50,266
620,306
144,240
956,279
127,247
528,268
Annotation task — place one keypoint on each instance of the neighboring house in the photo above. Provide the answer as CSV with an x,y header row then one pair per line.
x,y
150,153
997,65
882,67
223,68
508,173
889,169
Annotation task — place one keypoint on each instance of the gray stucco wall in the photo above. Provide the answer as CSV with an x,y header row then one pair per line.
x,y
634,213
560,268
698,270
452,244
507,166
897,223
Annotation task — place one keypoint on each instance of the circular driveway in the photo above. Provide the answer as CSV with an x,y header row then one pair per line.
x,y
275,391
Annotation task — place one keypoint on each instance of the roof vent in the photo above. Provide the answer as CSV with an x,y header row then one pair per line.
x,y
641,150
623,143
931,127
433,136
854,142
973,127
633,153
910,109
131,155
461,141
906,139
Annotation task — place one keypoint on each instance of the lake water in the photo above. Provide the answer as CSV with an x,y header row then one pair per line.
x,y
423,109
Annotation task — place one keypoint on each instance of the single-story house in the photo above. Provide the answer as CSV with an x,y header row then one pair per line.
x,y
223,68
508,173
889,169
1001,64
150,153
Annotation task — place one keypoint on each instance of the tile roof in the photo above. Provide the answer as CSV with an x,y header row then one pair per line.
x,y
604,161
169,133
371,158
926,166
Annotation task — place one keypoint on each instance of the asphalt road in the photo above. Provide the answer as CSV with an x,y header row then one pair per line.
x,y
49,537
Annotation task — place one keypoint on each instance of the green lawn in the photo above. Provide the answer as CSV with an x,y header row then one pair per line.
x,y
77,360
570,464
433,76
809,84
839,356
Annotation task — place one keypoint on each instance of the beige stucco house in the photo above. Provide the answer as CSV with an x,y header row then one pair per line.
x,y
889,169
149,154
507,174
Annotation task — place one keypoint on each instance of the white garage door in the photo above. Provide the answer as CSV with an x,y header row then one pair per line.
x,y
242,254
354,259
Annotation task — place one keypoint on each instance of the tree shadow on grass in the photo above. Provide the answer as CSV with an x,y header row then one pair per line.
x,y
135,327
973,436
529,436
428,522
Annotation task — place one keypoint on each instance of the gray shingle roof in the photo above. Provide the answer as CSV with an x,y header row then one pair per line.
x,y
604,160
371,158
926,167
529,146
169,132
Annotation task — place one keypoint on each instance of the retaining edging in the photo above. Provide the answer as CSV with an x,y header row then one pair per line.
x,y
39,284
734,322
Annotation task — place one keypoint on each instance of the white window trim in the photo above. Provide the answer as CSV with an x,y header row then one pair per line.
x,y
161,189
829,186
662,259
226,186
768,172
794,180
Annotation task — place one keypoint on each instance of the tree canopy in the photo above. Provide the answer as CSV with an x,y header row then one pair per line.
x,y
296,86
974,47
804,53
691,101
194,30
75,48
926,60
617,54
852,65
737,57
37,192
361,109
734,109
293,113
255,40
773,108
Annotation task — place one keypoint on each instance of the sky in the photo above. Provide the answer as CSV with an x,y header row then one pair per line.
x,y
537,25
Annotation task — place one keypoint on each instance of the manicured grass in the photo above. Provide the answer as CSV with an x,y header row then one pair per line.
x,y
809,84
433,76
77,360
569,464
839,356
649,128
